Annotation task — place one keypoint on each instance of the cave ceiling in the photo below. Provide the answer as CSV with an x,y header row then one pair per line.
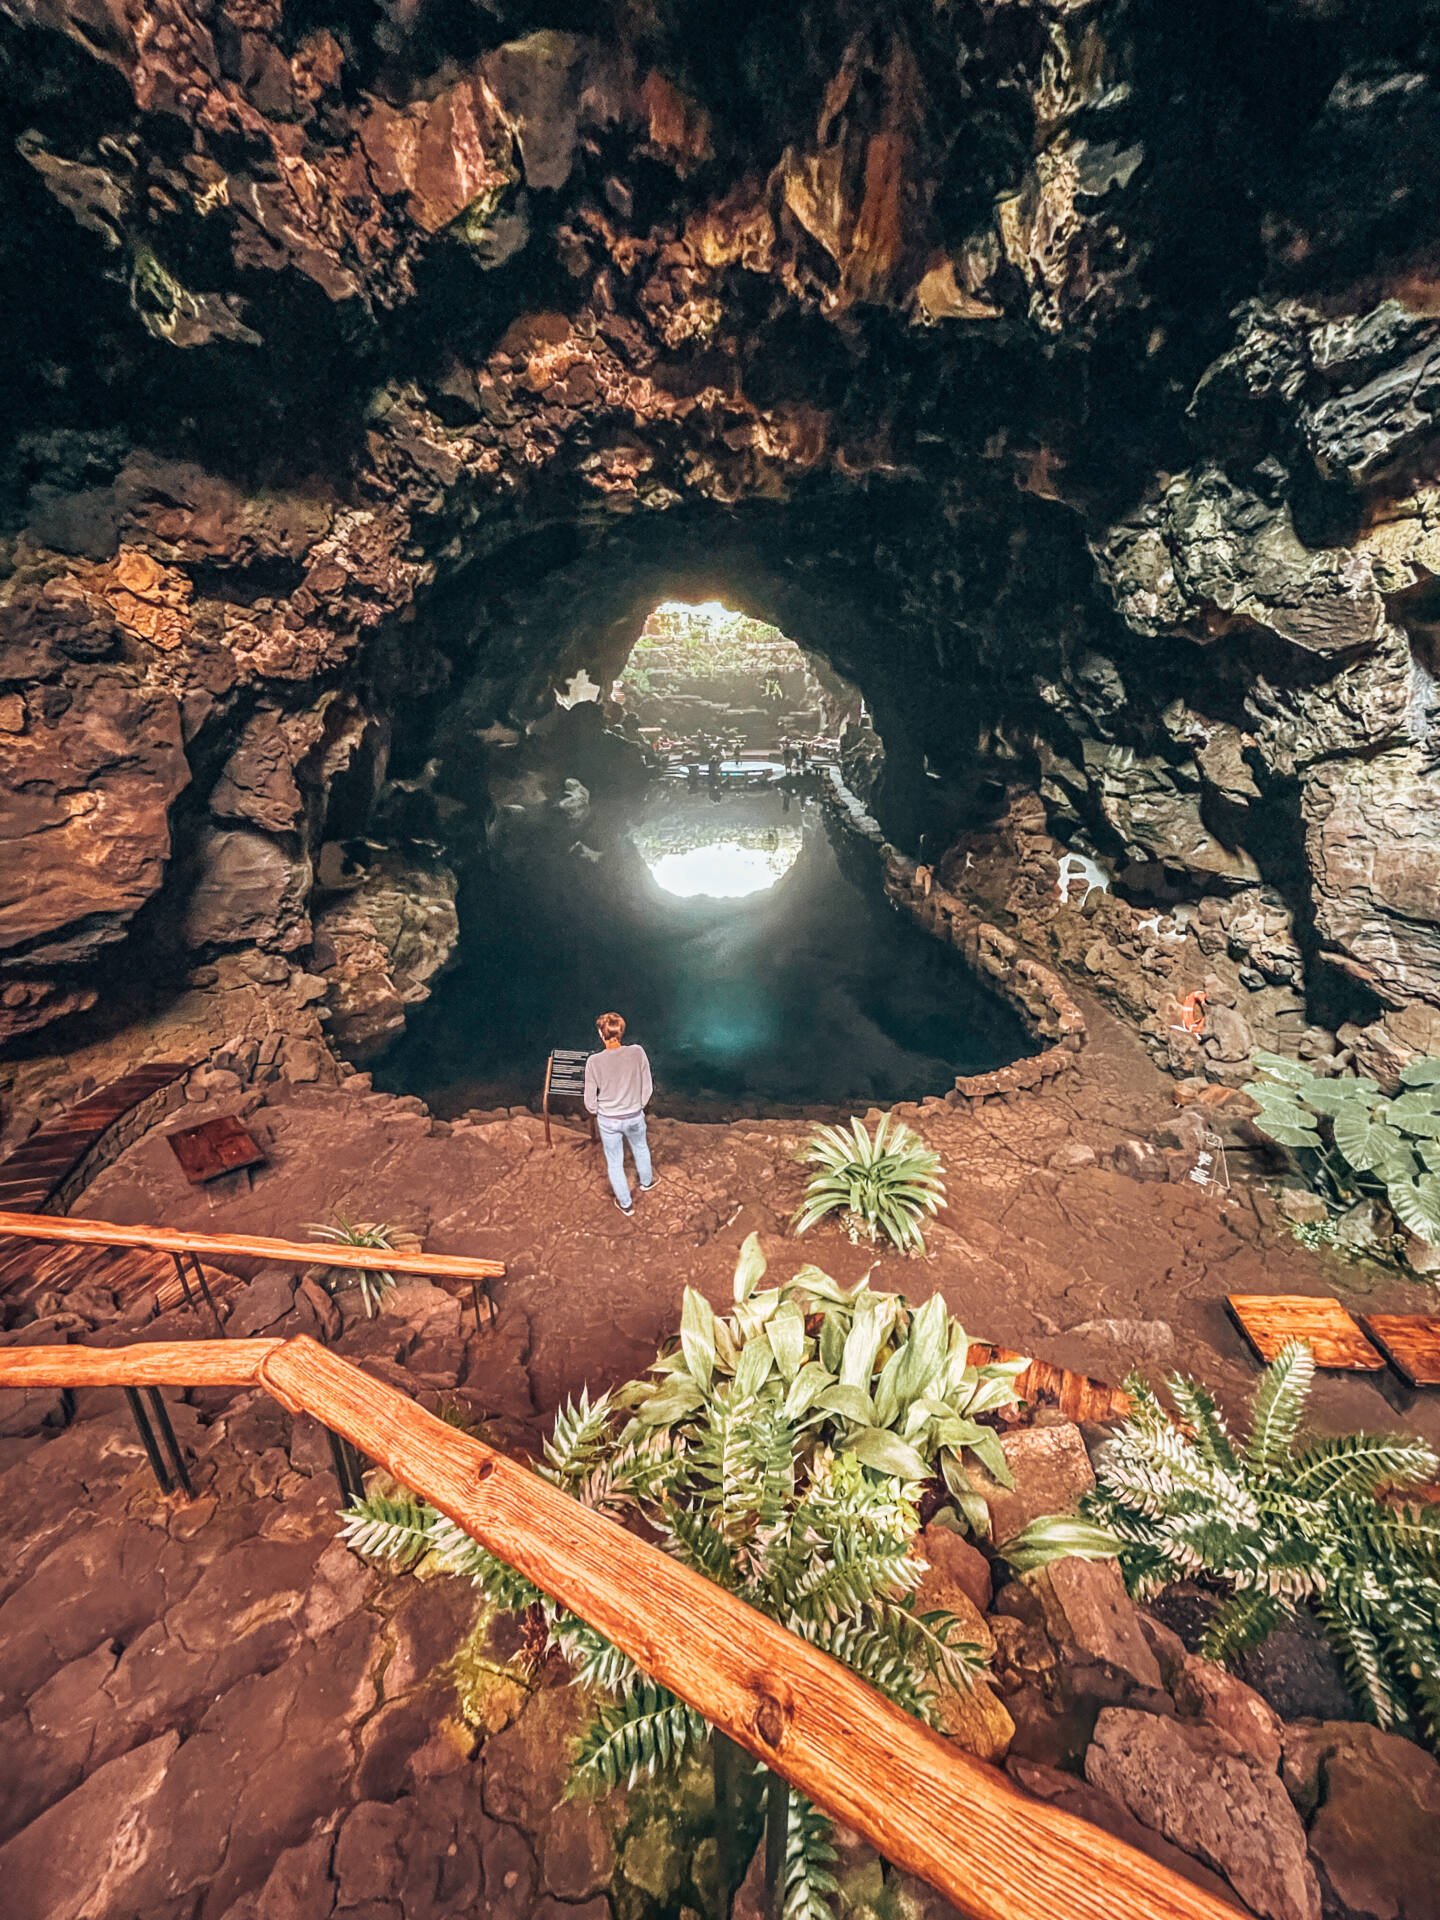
x,y
1066,372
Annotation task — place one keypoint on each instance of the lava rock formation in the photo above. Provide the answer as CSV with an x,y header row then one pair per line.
x,y
1065,373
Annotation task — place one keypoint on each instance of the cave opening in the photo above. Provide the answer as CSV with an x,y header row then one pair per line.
x,y
659,842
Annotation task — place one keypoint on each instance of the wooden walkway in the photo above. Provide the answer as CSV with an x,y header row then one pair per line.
x,y
28,1268
31,1175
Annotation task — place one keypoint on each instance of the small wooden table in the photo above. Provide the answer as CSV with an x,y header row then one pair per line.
x,y
215,1147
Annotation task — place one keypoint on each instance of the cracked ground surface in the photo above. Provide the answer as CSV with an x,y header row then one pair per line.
x,y
211,1710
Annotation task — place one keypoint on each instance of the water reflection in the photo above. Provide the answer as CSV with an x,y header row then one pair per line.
x,y
717,861
754,964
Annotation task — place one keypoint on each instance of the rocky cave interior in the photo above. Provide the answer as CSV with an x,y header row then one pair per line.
x,y
1062,376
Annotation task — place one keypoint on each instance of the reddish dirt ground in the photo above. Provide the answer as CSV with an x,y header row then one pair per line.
x,y
1088,1267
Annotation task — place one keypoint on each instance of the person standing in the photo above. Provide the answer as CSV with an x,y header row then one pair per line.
x,y
618,1087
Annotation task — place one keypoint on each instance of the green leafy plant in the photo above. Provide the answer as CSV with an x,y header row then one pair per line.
x,y
1284,1523
781,1451
1353,1141
885,1185
373,1283
1313,1233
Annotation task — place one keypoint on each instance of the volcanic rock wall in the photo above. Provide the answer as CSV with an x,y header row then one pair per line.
x,y
1065,372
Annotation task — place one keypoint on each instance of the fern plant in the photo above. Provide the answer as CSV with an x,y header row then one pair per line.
x,y
1355,1142
781,1451
885,1185
374,1283
1285,1522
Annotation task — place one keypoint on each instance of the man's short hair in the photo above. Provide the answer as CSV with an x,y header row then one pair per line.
x,y
611,1026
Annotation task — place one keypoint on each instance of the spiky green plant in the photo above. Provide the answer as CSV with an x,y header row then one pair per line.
x,y
373,1283
1286,1523
1354,1142
781,1451
885,1185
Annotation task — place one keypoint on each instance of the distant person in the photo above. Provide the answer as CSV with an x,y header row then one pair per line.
x,y
925,869
804,756
787,754
618,1087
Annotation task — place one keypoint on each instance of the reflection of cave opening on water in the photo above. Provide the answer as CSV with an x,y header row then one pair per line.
x,y
813,992
718,861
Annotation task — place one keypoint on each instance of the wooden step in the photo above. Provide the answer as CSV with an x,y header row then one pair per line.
x,y
1411,1343
1269,1321
30,1175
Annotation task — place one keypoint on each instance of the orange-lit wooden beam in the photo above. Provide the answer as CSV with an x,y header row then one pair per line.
x,y
993,1851
158,1363
67,1231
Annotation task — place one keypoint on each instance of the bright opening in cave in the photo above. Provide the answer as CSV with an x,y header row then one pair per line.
x,y
705,678
665,849
730,697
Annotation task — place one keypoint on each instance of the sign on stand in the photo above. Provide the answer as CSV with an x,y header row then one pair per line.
x,y
1211,1171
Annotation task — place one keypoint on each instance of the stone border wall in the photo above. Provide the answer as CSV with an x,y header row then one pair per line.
x,y
1037,993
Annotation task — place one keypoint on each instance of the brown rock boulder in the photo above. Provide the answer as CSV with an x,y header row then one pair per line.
x,y
1372,1801
1206,1691
1191,1784
257,783
1072,1795
955,1566
85,802
976,1719
1370,839
247,889
1050,1469
1084,1610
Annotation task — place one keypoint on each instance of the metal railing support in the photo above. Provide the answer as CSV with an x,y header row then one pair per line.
x,y
147,1439
168,1440
349,1475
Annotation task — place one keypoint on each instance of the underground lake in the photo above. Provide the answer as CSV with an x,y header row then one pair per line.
x,y
751,949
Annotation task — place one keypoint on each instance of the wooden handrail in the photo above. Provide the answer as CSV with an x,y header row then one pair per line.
x,y
993,1851
157,1363
310,1253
